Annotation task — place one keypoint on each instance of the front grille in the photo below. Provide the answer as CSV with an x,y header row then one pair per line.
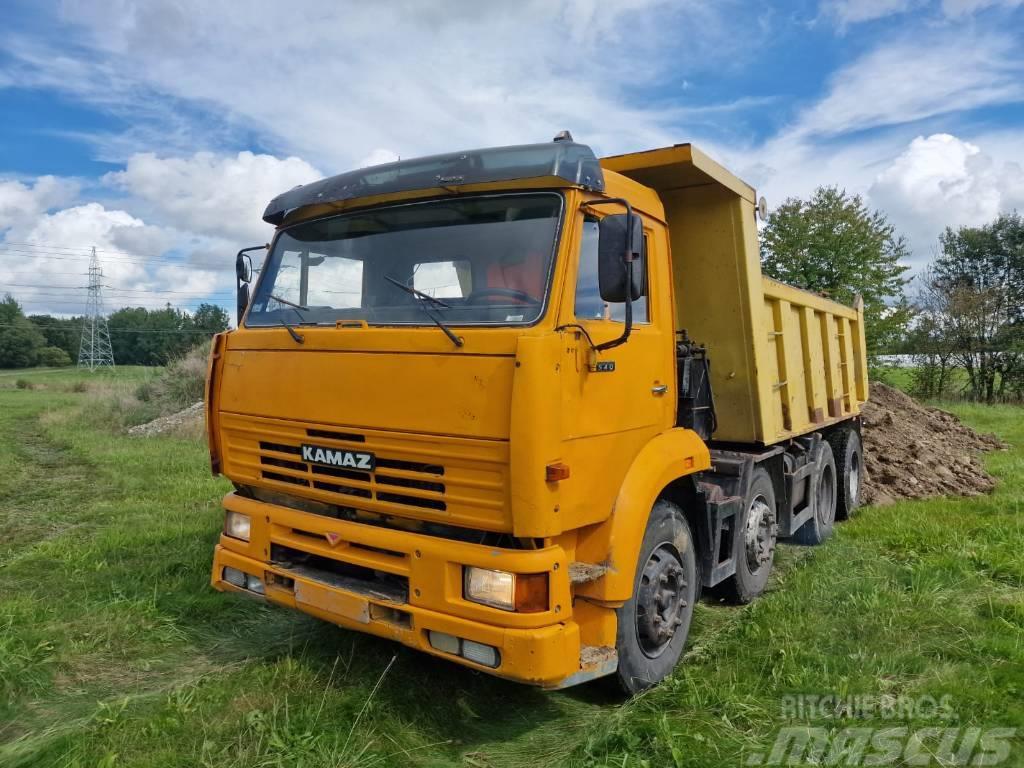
x,y
393,473
444,479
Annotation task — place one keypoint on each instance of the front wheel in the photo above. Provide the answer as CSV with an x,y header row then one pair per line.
x,y
654,624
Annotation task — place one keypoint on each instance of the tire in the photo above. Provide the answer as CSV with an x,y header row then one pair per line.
x,y
651,634
759,533
819,527
849,456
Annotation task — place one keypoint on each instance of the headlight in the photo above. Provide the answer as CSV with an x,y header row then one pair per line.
x,y
526,593
237,525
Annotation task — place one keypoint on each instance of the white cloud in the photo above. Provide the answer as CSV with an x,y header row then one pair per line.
x,y
958,8
336,83
47,267
378,156
940,181
916,78
208,194
847,12
343,87
19,200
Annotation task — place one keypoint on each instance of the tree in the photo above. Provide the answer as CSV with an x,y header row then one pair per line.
x,y
20,340
63,332
210,317
834,245
977,287
53,357
142,336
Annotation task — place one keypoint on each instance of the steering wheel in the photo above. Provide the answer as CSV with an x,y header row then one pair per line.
x,y
508,293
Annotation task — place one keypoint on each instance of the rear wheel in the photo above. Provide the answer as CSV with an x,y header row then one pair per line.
x,y
654,624
819,527
849,456
759,532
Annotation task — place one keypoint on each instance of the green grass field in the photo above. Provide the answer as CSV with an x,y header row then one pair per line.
x,y
114,651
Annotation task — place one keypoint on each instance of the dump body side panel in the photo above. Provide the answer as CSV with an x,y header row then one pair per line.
x,y
817,370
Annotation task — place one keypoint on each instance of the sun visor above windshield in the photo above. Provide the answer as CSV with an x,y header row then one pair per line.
x,y
575,163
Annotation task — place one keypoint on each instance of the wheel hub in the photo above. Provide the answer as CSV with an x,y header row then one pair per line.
x,y
661,600
759,543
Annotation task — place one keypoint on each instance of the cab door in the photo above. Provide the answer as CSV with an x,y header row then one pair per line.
x,y
611,410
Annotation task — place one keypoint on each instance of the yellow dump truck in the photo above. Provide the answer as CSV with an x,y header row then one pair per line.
x,y
517,407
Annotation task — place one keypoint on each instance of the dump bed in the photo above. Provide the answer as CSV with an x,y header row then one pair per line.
x,y
784,362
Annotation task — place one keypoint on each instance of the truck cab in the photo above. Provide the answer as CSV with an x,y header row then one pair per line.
x,y
509,407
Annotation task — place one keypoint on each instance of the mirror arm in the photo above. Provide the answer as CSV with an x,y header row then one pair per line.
x,y
627,261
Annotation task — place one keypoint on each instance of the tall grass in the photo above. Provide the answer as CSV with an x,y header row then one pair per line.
x,y
181,383
119,404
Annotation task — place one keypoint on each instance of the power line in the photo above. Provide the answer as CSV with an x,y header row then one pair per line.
x,y
76,249
118,330
72,251
69,290
80,257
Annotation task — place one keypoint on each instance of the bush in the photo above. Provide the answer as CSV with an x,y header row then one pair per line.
x,y
52,357
180,384
24,384
183,381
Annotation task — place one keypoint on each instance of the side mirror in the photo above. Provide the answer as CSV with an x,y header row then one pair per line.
x,y
243,274
620,242
243,268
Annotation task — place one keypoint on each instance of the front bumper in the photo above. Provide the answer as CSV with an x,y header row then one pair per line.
x,y
538,648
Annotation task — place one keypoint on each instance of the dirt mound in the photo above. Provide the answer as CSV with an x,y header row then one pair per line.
x,y
188,421
912,451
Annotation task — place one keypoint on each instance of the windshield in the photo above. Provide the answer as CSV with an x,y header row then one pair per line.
x,y
469,261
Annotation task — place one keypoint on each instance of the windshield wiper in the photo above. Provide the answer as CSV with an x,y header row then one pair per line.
x,y
421,302
297,337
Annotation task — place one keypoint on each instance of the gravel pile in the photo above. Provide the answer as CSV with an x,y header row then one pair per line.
x,y
190,419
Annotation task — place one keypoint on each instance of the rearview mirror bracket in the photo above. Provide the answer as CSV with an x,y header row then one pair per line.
x,y
630,254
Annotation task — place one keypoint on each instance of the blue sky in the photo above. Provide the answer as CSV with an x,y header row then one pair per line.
x,y
157,131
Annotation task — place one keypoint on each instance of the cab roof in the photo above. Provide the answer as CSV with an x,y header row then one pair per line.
x,y
561,159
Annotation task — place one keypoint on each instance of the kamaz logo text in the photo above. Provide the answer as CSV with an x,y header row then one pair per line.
x,y
350,459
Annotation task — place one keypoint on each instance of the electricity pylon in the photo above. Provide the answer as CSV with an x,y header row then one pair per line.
x,y
94,350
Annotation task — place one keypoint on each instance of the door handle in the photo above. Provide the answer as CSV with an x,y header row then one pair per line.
x,y
659,389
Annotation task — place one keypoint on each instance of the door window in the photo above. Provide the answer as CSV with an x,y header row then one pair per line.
x,y
589,304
